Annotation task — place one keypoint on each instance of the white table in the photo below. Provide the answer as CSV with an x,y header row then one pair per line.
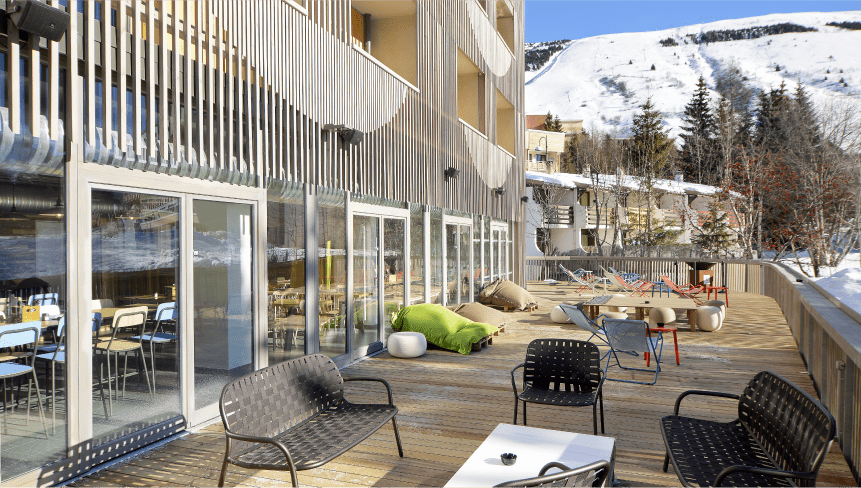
x,y
534,448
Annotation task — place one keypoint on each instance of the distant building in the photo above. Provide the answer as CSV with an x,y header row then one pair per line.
x,y
544,150
582,212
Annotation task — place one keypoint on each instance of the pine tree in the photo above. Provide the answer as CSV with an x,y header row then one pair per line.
x,y
698,135
650,145
768,128
552,124
715,232
649,151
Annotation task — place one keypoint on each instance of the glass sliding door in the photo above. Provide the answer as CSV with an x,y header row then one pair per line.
x,y
332,266
222,284
452,251
465,276
393,261
366,254
135,259
459,259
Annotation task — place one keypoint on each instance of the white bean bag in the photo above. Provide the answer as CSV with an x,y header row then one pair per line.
x,y
719,304
407,344
613,315
557,316
708,318
661,315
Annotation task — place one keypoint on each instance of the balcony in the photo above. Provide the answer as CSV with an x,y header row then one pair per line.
x,y
559,216
443,419
542,166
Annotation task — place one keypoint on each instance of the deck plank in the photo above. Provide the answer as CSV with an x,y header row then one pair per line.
x,y
449,403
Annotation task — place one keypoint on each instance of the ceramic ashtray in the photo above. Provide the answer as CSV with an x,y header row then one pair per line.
x,y
508,458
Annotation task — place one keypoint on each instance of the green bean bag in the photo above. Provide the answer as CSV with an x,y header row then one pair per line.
x,y
442,327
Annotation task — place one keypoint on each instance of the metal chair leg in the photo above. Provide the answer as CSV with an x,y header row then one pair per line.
x,y
39,399
398,438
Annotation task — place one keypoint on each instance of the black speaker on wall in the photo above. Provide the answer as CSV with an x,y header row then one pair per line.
x,y
39,19
351,136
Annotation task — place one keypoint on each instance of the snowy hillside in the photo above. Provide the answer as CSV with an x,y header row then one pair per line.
x,y
604,79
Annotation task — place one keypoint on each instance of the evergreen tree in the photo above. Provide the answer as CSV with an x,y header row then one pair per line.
x,y
552,124
698,134
715,232
728,136
769,131
651,145
569,156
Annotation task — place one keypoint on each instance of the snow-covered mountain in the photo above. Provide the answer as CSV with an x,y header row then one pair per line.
x,y
604,79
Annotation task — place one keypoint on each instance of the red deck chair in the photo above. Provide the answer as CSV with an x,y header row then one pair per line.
x,y
687,291
636,289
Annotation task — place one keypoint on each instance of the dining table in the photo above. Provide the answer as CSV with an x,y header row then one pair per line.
x,y
641,305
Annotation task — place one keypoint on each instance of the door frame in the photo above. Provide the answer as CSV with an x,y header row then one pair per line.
x,y
194,415
79,353
459,222
380,213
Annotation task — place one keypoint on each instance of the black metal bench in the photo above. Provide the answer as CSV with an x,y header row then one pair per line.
x,y
293,416
780,438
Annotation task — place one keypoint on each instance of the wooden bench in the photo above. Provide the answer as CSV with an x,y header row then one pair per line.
x,y
293,416
780,438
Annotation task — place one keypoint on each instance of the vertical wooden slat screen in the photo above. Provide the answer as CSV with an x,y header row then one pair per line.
x,y
244,88
122,69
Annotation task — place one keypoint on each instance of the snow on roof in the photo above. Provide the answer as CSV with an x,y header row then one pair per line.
x,y
568,180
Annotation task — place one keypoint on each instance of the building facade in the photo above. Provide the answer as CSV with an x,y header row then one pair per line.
x,y
193,190
575,214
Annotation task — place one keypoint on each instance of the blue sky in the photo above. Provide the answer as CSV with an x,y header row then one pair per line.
x,y
550,20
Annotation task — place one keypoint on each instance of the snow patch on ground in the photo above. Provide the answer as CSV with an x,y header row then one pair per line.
x,y
845,285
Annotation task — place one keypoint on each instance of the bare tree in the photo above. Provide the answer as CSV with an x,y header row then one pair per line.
x,y
547,196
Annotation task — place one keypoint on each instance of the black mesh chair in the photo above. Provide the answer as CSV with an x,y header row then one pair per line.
x,y
594,474
561,372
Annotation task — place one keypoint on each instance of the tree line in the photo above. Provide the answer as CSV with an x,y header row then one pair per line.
x,y
788,171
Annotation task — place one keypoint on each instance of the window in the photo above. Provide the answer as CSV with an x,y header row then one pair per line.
x,y
505,129
286,275
505,23
387,31
470,92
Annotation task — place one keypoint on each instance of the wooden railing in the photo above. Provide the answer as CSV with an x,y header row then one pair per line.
x,y
739,275
828,332
560,215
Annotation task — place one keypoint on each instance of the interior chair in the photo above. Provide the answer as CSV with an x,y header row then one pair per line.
x,y
42,299
21,335
594,474
165,314
634,336
562,372
131,318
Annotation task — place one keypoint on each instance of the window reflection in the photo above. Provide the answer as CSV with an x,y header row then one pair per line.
x,y
32,297
286,279
417,257
135,241
331,260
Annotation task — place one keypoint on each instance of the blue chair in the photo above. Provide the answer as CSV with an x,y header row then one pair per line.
x,y
21,335
43,299
56,353
166,313
580,319
632,335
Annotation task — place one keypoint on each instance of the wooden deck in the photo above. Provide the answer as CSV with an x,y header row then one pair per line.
x,y
449,403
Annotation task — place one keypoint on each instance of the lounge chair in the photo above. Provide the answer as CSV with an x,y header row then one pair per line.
x,y
686,291
636,289
580,279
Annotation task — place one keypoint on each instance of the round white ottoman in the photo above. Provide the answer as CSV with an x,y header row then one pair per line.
x,y
613,315
617,309
661,315
719,304
708,318
407,344
557,316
